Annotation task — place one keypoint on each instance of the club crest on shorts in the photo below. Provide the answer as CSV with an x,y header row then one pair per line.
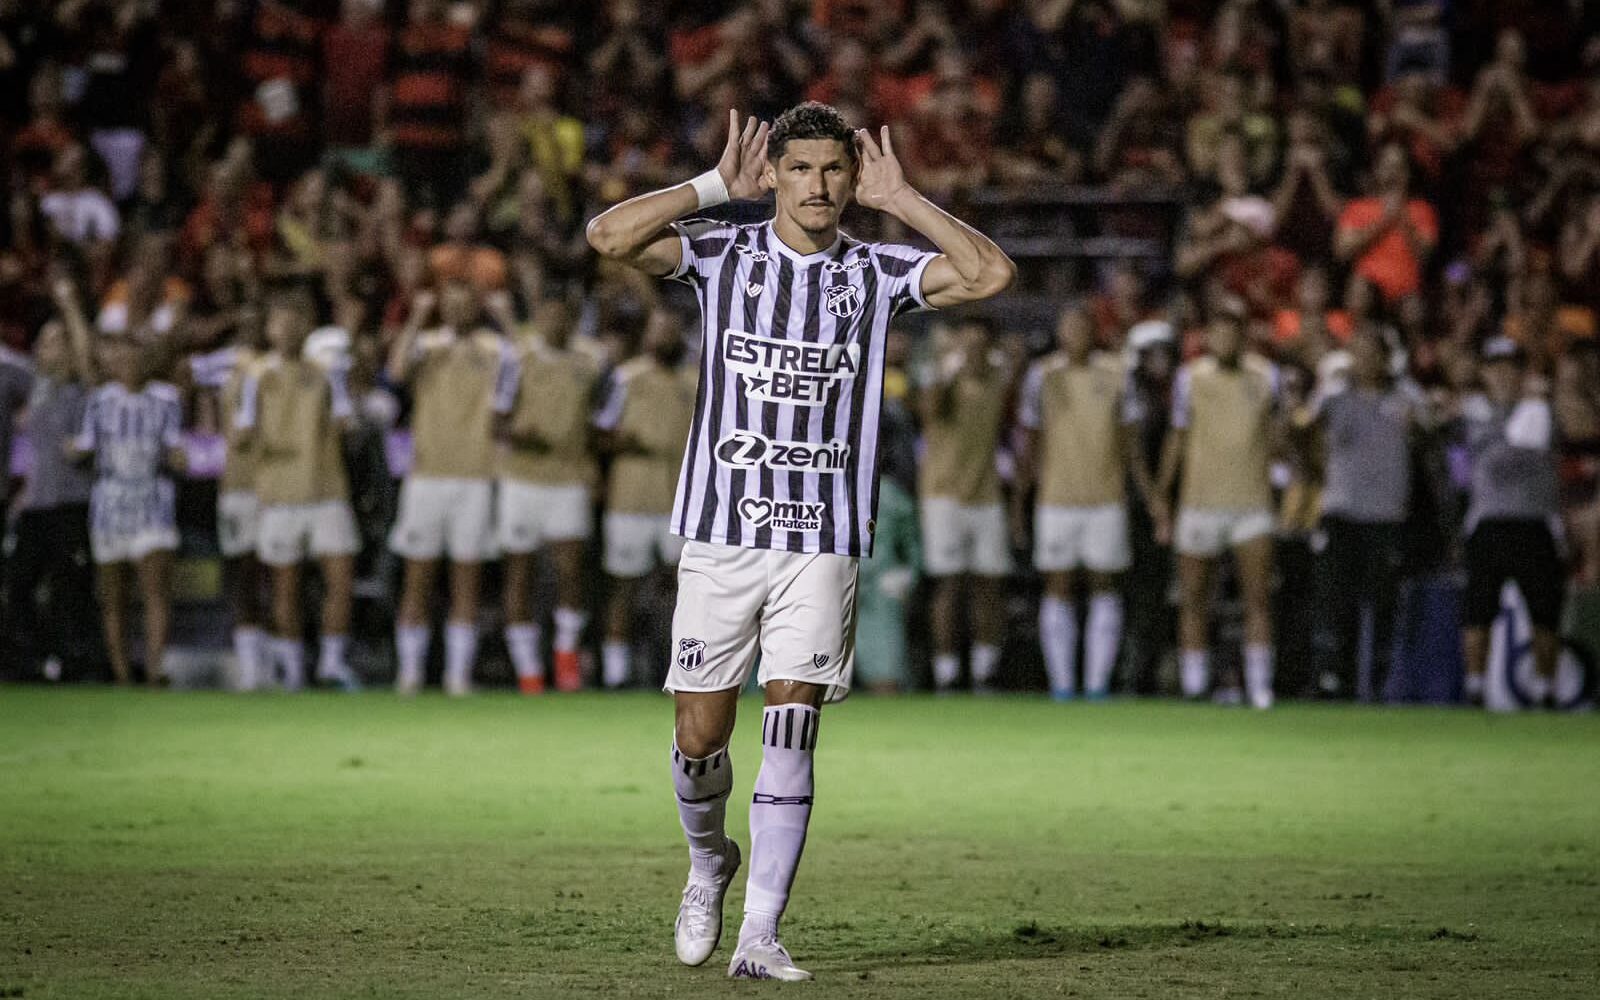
x,y
819,660
691,654
844,300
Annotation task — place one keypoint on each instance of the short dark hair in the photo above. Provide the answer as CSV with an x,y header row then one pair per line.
x,y
811,120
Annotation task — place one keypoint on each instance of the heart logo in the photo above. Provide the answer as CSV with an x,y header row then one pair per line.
x,y
756,510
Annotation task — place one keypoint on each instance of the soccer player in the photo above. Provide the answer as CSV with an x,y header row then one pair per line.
x,y
1515,504
965,539
643,423
238,510
291,415
547,478
777,489
131,428
1224,431
1078,452
446,501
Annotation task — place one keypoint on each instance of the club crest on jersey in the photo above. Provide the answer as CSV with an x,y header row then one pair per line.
x,y
843,300
752,450
788,371
691,654
782,515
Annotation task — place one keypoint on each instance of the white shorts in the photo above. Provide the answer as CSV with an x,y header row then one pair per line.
x,y
291,533
130,520
238,520
960,539
1094,538
529,515
440,517
1208,533
635,541
798,610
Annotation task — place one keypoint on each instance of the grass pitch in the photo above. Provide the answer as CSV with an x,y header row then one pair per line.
x,y
194,845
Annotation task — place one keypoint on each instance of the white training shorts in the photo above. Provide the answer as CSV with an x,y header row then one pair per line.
x,y
293,533
961,539
1207,533
444,517
1092,538
796,609
238,518
129,520
529,516
635,541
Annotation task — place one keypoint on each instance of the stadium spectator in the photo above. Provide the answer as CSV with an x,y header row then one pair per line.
x,y
1224,423
1387,237
546,492
965,539
445,504
643,423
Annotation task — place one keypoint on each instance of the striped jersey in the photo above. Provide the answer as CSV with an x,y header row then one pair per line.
x,y
782,453
129,432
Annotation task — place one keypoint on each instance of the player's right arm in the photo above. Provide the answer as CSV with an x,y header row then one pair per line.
x,y
638,232
403,357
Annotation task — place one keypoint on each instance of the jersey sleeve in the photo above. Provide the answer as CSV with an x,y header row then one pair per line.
x,y
901,269
612,400
244,415
1181,388
701,243
87,437
340,404
171,418
507,380
1133,410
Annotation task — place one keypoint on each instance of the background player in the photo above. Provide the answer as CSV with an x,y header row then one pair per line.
x,y
547,477
643,423
291,414
131,428
1080,456
965,541
775,532
446,501
1224,431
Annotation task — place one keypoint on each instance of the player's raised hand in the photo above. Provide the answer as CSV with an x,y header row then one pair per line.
x,y
879,177
744,158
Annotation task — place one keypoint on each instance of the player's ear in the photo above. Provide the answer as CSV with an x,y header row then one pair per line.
x,y
769,175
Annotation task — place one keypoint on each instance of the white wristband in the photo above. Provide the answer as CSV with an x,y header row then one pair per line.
x,y
710,188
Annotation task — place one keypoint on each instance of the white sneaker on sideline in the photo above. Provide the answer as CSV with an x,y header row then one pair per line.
x,y
699,925
765,958
408,682
457,685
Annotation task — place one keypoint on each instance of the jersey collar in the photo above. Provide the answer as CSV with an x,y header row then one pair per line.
x,y
797,256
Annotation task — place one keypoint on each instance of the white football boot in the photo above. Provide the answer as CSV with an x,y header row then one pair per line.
x,y
765,958
408,682
699,924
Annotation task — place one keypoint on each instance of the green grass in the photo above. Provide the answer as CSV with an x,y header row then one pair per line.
x,y
196,845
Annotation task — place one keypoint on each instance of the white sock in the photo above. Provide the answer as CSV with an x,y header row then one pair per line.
x,y
569,629
985,658
614,667
1194,668
946,668
411,647
1258,672
1058,635
249,645
779,813
1104,636
460,650
330,664
702,785
522,642
290,655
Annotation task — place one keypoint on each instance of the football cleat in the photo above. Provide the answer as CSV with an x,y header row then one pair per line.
x,y
531,685
699,925
569,675
765,958
408,682
341,677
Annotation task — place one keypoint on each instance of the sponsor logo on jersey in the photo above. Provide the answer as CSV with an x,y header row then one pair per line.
x,y
843,300
788,371
782,515
834,267
752,450
752,252
691,654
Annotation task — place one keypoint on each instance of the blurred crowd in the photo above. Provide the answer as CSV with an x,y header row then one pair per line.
x,y
237,230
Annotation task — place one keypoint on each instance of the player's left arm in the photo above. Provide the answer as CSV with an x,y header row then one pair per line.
x,y
969,267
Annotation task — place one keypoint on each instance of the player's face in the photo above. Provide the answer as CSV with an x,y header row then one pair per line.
x,y
1225,338
1367,355
1074,335
50,351
458,306
1501,378
287,329
812,182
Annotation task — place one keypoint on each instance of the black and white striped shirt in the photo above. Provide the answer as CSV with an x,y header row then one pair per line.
x,y
783,452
